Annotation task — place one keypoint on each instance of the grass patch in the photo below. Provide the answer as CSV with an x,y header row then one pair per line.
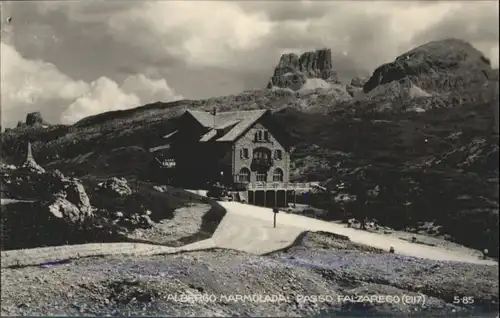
x,y
209,223
144,197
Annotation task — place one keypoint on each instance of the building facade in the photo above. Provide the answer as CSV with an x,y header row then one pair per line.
x,y
233,148
260,157
246,151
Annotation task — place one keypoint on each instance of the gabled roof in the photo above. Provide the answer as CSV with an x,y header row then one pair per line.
x,y
204,118
209,135
228,124
240,120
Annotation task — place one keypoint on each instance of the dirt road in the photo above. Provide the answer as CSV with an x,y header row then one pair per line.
x,y
291,224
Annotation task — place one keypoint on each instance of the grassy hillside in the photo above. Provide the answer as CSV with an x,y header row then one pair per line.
x,y
440,165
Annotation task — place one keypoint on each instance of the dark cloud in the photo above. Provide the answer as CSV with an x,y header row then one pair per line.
x,y
283,11
477,24
81,49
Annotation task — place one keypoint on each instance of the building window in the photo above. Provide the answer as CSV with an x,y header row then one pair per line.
x,y
261,135
244,175
261,176
278,175
262,153
278,154
244,153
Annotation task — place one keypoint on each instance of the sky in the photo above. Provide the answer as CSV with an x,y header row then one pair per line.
x,y
72,59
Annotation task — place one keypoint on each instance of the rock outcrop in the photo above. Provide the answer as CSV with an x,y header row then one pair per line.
x,y
117,187
57,210
355,87
35,119
74,192
62,197
293,71
64,209
435,67
403,88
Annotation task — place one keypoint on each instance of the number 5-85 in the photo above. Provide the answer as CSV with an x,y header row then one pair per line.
x,y
465,300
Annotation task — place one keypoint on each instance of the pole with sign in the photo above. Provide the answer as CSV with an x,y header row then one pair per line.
x,y
275,211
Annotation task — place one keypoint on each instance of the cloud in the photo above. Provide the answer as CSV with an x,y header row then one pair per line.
x,y
105,95
205,48
278,11
477,23
32,85
149,90
201,33
35,85
102,95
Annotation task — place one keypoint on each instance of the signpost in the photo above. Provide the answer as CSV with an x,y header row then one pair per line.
x,y
275,211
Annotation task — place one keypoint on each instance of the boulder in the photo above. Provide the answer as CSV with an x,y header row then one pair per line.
x,y
75,193
117,187
64,209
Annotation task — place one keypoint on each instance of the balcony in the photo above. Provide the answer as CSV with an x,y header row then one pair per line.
x,y
295,186
261,163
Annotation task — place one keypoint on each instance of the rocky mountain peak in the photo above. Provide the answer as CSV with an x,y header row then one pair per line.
x,y
34,119
436,67
293,70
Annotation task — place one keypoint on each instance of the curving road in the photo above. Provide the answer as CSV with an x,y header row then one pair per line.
x,y
245,228
290,224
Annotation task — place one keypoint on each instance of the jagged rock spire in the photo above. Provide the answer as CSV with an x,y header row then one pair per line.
x,y
293,70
